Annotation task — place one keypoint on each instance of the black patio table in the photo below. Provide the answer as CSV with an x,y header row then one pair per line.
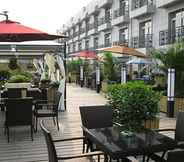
x,y
118,144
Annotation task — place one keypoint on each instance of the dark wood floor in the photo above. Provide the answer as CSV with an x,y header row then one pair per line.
x,y
22,149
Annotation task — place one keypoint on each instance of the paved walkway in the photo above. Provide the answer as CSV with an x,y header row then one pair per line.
x,y
22,149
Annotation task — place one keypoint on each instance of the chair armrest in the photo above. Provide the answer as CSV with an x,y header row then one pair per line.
x,y
117,124
94,153
69,139
163,130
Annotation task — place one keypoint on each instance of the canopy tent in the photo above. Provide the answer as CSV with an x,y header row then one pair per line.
x,y
138,61
123,50
12,31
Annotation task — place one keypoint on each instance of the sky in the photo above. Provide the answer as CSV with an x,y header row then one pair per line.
x,y
45,15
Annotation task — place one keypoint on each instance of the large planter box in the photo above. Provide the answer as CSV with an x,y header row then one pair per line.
x,y
178,105
152,124
18,85
104,86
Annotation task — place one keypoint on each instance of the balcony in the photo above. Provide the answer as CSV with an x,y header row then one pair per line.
x,y
120,17
105,3
166,37
142,9
142,42
92,29
123,42
167,3
104,24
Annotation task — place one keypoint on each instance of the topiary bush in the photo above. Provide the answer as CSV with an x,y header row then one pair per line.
x,y
133,103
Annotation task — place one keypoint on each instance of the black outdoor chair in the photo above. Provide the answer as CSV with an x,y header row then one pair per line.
x,y
18,113
172,156
15,92
98,116
95,117
52,154
45,108
179,134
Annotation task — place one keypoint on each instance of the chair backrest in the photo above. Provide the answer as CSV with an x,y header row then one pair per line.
x,y
49,142
175,156
96,116
179,133
19,111
14,92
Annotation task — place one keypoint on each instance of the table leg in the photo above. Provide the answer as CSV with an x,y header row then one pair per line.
x,y
143,158
105,158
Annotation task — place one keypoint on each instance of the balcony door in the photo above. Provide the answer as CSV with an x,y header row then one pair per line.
x,y
145,34
123,36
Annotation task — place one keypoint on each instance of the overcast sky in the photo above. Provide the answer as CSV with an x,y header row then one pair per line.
x,y
45,15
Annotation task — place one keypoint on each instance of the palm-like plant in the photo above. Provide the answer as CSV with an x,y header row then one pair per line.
x,y
173,58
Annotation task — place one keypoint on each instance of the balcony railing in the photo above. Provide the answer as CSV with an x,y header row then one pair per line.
x,y
166,37
140,3
144,41
120,12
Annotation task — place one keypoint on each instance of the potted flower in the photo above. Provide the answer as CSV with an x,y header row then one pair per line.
x,y
135,105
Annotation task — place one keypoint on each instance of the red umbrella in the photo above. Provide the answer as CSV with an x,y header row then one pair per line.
x,y
11,31
86,54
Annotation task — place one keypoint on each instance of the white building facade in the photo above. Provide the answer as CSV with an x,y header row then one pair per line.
x,y
141,24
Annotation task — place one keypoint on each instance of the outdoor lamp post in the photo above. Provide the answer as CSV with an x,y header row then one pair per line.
x,y
123,74
170,92
98,79
82,75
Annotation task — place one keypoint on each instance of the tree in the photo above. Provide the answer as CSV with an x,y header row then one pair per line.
x,y
173,58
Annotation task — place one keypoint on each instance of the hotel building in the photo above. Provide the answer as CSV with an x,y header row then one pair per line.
x,y
141,24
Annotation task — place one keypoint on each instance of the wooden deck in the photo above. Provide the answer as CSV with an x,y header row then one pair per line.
x,y
22,149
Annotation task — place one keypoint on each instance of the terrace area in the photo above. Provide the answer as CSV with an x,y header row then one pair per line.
x,y
22,149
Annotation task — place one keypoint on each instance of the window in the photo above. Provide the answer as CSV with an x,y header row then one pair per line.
x,y
145,34
107,39
87,44
123,7
108,13
123,36
96,42
176,25
80,46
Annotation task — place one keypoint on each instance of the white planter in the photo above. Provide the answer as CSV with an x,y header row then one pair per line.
x,y
18,85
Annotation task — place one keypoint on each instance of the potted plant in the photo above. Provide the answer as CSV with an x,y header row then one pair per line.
x,y
109,66
134,104
173,58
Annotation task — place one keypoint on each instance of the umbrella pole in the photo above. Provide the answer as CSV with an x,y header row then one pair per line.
x,y
65,73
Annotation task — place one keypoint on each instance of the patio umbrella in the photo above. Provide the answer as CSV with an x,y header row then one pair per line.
x,y
139,61
12,31
85,54
123,50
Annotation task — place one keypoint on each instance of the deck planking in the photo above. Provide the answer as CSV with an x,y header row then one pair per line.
x,y
22,149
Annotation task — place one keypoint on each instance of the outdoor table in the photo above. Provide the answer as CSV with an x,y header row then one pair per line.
x,y
118,145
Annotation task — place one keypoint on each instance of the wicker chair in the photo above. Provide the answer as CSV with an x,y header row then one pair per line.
x,y
44,108
52,154
18,113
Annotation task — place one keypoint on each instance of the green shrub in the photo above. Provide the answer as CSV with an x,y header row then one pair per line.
x,y
133,103
18,79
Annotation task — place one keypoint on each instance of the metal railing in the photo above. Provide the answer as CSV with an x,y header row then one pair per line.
x,y
140,3
166,37
144,41
121,12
